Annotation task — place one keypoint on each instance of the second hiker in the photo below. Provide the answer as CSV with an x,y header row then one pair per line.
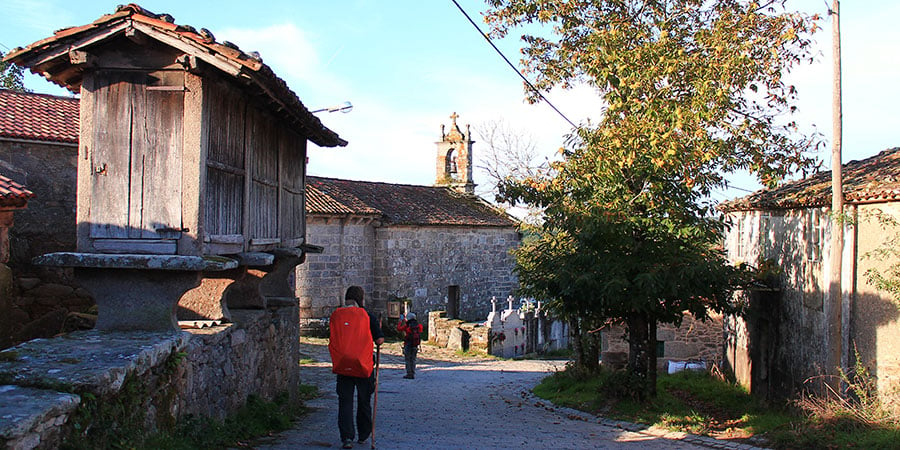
x,y
413,337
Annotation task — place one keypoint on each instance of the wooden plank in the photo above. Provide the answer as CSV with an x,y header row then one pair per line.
x,y
264,241
296,242
224,64
262,144
224,249
162,155
111,155
138,246
226,171
225,168
292,201
225,238
139,152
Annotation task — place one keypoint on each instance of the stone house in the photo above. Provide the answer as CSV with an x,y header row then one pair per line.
x,y
781,344
434,247
38,145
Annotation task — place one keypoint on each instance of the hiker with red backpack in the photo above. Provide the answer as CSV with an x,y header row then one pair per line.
x,y
353,333
412,330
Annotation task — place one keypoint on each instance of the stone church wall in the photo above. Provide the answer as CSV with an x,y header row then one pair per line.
x,y
421,263
347,260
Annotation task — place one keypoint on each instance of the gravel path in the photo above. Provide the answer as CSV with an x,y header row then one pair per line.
x,y
464,403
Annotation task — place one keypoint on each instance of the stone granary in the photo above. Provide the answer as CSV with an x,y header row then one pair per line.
x,y
188,149
190,185
38,143
433,247
780,343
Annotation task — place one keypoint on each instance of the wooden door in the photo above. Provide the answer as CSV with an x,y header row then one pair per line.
x,y
136,161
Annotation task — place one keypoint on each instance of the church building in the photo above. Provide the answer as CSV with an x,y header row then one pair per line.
x,y
421,248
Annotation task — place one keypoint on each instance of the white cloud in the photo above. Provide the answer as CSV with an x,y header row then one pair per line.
x,y
292,55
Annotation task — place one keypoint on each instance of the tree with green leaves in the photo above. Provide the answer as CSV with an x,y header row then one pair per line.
x,y
695,90
11,76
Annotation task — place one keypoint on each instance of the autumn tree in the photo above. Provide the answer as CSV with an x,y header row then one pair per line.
x,y
11,76
694,90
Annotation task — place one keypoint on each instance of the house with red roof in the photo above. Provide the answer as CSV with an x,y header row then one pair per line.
x,y
437,247
13,196
780,344
38,146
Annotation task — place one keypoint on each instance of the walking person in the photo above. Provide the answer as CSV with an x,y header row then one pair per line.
x,y
411,340
353,332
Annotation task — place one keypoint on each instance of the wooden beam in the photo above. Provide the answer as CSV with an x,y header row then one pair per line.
x,y
230,67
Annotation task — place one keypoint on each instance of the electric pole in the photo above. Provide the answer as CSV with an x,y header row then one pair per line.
x,y
833,319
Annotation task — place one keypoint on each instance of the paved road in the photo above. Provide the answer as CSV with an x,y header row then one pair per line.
x,y
465,403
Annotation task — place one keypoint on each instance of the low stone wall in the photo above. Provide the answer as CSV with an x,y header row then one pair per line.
x,y
694,340
155,377
456,334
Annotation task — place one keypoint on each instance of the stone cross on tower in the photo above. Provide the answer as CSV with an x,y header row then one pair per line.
x,y
454,161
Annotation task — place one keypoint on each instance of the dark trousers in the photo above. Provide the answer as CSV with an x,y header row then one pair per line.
x,y
364,388
409,357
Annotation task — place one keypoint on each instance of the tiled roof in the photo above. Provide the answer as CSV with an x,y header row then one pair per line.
x,y
401,204
12,193
874,179
38,117
51,57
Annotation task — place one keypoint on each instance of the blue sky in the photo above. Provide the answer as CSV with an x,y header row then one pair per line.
x,y
406,65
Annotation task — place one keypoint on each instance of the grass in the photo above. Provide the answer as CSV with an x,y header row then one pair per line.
x,y
472,353
698,403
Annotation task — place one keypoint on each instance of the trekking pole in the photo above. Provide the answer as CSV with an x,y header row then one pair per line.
x,y
375,407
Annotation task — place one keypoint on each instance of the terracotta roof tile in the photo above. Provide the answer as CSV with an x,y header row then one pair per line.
x,y
50,57
13,194
876,178
401,204
38,117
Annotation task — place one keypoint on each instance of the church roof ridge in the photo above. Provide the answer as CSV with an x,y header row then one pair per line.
x,y
404,204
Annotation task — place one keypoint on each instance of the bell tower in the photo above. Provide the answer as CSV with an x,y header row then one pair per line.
x,y
454,158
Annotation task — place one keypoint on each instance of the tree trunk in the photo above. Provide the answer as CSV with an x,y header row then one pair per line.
x,y
586,347
651,357
640,353
577,348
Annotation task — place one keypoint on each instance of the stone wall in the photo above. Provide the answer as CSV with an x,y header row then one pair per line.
x,y
347,260
791,328
204,373
421,263
693,340
40,298
392,262
875,317
507,333
456,334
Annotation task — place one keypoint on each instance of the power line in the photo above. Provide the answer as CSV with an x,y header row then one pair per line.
x,y
530,86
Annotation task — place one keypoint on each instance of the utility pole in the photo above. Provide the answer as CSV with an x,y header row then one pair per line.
x,y
834,340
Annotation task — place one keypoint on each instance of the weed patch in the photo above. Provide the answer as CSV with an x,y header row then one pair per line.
x,y
690,402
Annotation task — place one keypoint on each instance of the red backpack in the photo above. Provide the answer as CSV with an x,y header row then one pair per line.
x,y
351,342
413,337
